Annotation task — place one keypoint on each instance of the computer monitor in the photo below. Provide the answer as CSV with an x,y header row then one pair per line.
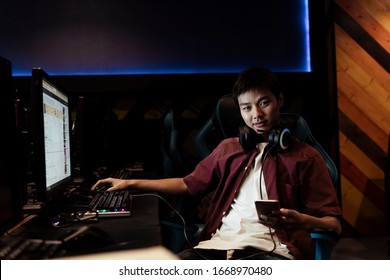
x,y
51,136
10,187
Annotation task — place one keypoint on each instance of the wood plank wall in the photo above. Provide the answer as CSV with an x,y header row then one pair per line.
x,y
362,43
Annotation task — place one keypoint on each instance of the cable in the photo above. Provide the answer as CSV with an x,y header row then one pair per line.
x,y
174,210
179,215
264,157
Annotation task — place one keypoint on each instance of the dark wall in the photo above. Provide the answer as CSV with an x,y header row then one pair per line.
x,y
124,114
127,110
152,36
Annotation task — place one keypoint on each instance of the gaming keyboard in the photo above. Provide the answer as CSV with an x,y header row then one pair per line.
x,y
19,248
113,203
122,174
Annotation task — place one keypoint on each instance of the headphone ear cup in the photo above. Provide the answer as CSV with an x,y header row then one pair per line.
x,y
273,138
281,138
247,140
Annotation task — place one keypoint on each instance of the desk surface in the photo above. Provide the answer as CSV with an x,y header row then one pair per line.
x,y
142,229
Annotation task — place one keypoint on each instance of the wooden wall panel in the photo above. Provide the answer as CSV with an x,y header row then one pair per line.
x,y
361,63
357,116
362,38
352,153
372,107
360,212
371,15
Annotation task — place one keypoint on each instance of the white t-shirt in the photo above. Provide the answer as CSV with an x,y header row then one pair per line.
x,y
240,227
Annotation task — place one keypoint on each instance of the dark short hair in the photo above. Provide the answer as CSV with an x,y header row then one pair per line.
x,y
256,78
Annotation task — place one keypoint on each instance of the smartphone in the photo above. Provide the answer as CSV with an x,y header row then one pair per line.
x,y
265,207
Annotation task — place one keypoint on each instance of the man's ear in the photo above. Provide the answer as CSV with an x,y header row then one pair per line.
x,y
281,100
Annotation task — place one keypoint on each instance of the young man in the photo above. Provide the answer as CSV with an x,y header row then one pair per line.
x,y
297,177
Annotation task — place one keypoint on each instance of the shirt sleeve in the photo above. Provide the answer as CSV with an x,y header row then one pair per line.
x,y
318,192
208,173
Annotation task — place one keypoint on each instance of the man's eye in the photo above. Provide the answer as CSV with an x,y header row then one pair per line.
x,y
264,103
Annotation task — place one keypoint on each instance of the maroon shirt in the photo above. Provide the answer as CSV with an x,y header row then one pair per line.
x,y
297,177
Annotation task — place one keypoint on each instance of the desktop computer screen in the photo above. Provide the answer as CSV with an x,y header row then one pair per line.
x,y
51,135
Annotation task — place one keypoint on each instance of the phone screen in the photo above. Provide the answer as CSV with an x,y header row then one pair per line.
x,y
265,207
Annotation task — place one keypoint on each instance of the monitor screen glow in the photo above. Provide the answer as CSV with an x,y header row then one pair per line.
x,y
57,138
51,136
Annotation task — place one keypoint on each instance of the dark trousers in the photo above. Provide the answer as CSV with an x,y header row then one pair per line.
x,y
245,254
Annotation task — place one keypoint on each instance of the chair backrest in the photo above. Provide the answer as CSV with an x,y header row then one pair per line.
x,y
225,123
299,127
170,148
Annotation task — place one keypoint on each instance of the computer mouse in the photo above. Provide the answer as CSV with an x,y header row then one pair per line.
x,y
87,238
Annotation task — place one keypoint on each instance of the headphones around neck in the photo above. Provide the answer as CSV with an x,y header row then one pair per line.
x,y
278,138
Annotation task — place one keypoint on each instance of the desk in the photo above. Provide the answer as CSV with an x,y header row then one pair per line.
x,y
142,229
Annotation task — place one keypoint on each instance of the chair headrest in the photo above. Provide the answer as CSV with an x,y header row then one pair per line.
x,y
228,116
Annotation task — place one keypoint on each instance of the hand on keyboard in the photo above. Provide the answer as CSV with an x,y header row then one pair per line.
x,y
103,187
111,184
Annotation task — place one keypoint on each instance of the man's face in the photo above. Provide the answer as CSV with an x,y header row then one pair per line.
x,y
260,109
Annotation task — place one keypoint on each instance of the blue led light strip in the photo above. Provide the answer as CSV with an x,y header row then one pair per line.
x,y
307,35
